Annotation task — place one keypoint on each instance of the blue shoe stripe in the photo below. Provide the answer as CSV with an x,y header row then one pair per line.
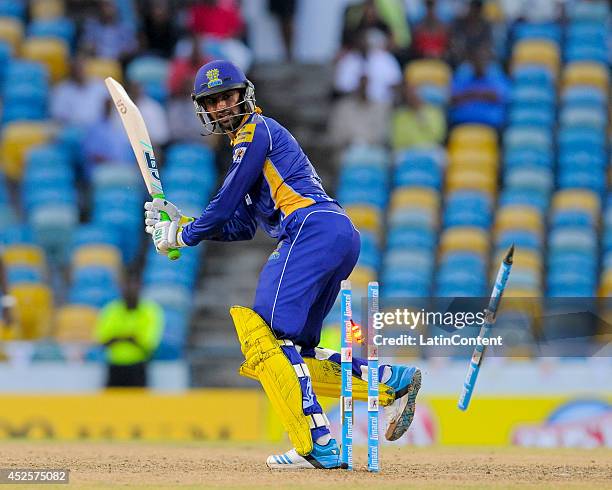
x,y
276,458
285,459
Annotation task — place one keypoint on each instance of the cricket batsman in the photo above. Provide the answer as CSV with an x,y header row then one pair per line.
x,y
272,184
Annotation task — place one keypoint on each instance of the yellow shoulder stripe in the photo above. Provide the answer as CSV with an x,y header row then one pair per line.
x,y
246,133
285,198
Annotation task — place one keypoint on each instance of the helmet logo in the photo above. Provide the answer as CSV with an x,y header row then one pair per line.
x,y
213,78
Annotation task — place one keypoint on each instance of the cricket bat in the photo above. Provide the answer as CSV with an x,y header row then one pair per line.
x,y
135,127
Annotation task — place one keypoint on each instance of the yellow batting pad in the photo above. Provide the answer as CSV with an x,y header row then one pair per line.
x,y
266,360
326,378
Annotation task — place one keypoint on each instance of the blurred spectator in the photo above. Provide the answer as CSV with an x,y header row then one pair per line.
x,y
159,33
368,57
185,67
78,100
479,95
387,16
284,10
372,116
152,112
469,33
183,123
430,36
106,36
220,27
131,330
106,141
216,18
416,123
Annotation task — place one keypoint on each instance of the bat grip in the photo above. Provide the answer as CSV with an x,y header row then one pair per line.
x,y
173,253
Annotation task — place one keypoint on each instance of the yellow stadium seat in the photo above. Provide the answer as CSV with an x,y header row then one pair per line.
x,y
581,199
473,136
98,255
586,73
51,51
522,293
472,180
606,278
17,138
46,9
33,309
24,254
75,323
415,197
11,31
537,52
515,217
527,259
366,218
102,68
464,238
473,159
361,276
427,72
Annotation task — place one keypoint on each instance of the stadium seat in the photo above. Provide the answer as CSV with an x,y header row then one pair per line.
x,y
11,31
34,309
471,180
549,31
25,255
460,238
585,200
586,73
75,323
366,217
515,217
46,9
473,159
116,175
540,180
536,52
473,136
59,27
98,255
51,51
415,197
22,273
592,11
102,68
422,72
17,139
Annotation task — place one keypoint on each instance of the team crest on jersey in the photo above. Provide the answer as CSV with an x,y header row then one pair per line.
x,y
213,78
239,154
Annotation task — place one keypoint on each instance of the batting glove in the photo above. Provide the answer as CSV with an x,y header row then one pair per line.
x,y
166,234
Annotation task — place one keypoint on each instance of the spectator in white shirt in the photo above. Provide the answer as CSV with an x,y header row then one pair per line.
x,y
78,100
368,56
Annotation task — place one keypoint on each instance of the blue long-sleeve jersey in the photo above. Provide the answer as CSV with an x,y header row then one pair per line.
x,y
270,177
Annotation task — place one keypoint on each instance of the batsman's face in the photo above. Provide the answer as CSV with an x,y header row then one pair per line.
x,y
224,108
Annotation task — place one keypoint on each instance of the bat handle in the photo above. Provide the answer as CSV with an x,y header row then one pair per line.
x,y
173,253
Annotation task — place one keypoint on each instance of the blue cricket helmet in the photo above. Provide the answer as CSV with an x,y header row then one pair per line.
x,y
215,77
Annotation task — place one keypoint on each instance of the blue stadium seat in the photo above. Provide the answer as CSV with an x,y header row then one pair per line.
x,y
90,233
23,71
525,137
97,297
584,116
576,51
421,170
571,217
174,337
532,75
411,238
61,27
527,116
368,155
407,259
549,31
13,8
151,72
593,11
583,95
522,239
16,233
527,94
582,178
524,197
573,239
521,157
19,274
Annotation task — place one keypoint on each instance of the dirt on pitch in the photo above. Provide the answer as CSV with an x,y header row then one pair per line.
x,y
157,465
